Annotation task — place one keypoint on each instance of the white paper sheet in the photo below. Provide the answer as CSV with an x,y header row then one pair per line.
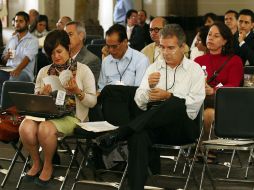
x,y
54,81
7,68
98,126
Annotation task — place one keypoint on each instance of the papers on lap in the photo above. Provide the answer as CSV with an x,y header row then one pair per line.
x,y
7,68
98,126
35,118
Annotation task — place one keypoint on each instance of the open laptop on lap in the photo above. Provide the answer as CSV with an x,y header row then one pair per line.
x,y
37,105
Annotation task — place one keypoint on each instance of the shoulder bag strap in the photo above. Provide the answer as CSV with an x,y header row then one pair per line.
x,y
215,74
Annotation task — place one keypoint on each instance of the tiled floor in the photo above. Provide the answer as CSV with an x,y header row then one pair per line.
x,y
170,183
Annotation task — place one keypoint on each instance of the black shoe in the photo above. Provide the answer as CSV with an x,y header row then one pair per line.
x,y
42,183
30,178
108,142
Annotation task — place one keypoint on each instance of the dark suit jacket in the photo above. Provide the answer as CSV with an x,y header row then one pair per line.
x,y
246,51
148,39
91,60
137,39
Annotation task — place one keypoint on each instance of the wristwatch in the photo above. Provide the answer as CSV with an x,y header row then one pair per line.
x,y
80,95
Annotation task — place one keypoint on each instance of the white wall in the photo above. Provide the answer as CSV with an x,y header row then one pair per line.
x,y
105,16
219,7
67,8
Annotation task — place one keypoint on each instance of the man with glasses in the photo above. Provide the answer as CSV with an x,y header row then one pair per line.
x,y
124,65
135,33
152,50
244,38
171,94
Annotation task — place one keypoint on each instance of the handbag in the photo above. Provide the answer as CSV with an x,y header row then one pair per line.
x,y
210,99
9,124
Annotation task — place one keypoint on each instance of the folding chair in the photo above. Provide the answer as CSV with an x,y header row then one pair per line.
x,y
6,102
233,121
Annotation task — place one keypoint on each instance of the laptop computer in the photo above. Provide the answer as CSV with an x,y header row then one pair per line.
x,y
37,105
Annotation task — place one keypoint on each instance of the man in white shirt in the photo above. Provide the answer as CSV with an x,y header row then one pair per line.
x,y
171,93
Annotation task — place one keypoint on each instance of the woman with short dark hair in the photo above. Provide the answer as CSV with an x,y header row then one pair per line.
x,y
80,96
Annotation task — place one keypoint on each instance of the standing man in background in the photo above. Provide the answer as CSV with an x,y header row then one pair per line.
x,y
120,10
142,16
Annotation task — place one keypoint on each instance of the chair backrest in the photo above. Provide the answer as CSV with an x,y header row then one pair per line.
x,y
89,38
234,112
95,49
14,86
98,41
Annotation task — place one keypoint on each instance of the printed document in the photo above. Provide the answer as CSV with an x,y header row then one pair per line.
x,y
98,126
54,81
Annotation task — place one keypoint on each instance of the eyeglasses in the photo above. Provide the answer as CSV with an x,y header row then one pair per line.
x,y
156,29
113,46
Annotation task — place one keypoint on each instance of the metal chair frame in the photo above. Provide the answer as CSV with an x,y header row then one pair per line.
x,y
234,139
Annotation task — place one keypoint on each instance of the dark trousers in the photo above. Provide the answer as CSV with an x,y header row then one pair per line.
x,y
168,123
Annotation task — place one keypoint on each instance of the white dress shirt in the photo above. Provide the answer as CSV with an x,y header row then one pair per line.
x,y
189,84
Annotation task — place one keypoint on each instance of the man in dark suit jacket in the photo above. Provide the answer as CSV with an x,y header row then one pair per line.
x,y
135,33
244,38
78,51
142,16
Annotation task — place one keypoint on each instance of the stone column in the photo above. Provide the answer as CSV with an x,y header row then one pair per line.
x,y
52,11
86,11
182,7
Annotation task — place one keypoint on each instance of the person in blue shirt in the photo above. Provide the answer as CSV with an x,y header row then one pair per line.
x,y
20,52
124,65
120,10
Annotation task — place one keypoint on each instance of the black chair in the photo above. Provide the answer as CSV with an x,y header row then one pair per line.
x,y
98,41
233,121
89,38
96,49
6,102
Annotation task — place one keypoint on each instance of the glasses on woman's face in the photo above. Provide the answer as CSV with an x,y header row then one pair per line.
x,y
156,29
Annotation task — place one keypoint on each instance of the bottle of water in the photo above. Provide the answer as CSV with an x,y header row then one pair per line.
x,y
205,72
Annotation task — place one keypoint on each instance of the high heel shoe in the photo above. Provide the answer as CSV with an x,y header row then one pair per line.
x,y
30,178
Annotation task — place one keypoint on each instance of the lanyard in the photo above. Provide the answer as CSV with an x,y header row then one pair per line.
x,y
167,78
121,75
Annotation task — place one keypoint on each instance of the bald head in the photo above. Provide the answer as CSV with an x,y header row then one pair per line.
x,y
62,22
155,25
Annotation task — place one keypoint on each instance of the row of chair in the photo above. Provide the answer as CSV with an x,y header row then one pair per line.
x,y
233,120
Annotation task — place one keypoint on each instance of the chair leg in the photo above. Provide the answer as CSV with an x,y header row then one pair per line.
x,y
123,177
186,159
15,157
231,162
23,172
177,159
249,162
